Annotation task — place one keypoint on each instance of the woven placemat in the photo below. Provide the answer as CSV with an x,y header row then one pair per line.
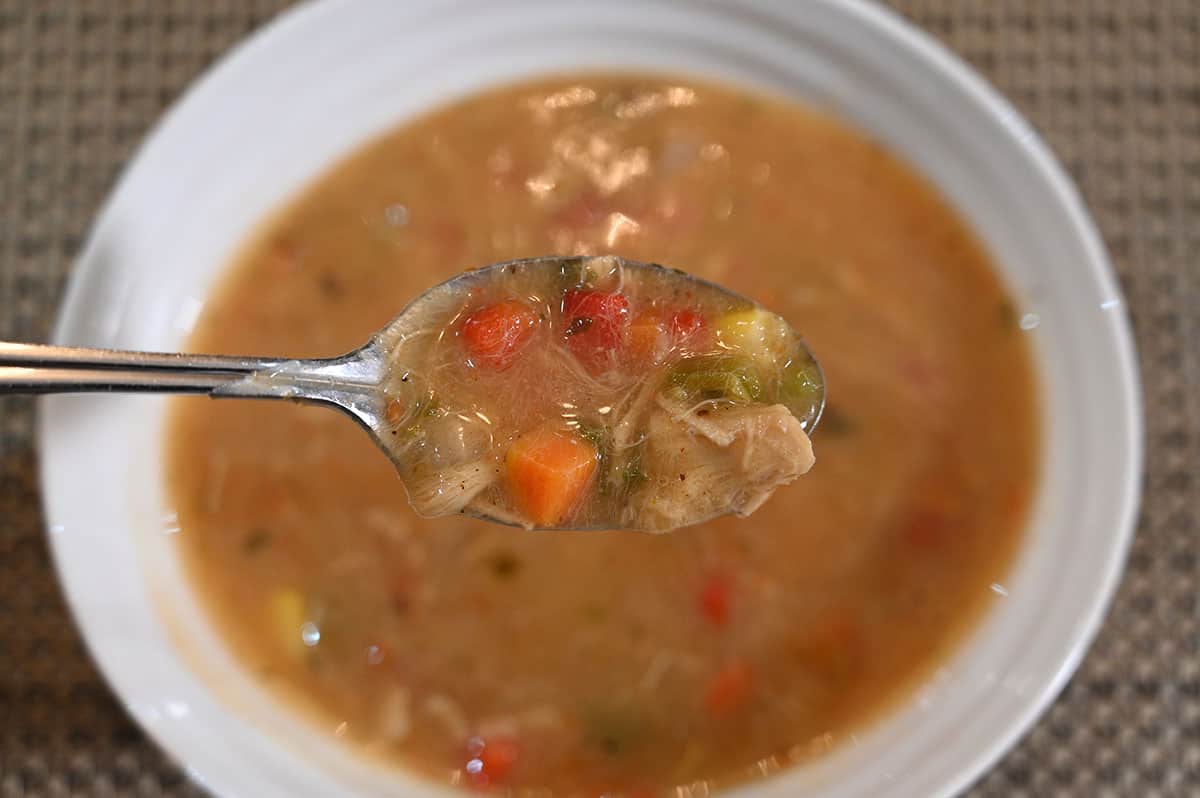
x,y
1114,85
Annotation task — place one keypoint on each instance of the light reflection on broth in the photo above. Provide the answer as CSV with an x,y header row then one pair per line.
x,y
617,662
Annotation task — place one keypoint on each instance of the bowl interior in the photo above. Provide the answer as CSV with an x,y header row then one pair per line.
x,y
328,76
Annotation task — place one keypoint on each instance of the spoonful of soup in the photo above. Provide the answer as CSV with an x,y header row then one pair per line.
x,y
547,393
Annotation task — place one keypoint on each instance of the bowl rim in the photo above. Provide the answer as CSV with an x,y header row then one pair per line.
x,y
923,46
1063,188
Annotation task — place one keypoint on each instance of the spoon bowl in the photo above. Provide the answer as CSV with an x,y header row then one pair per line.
x,y
608,404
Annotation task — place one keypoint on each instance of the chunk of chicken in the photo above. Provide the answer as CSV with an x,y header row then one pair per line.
x,y
450,489
728,460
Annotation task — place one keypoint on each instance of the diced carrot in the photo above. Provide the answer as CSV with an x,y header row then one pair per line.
x,y
649,339
596,326
653,333
715,599
548,471
494,334
729,689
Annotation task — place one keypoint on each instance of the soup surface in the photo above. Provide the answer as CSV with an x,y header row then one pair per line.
x,y
616,663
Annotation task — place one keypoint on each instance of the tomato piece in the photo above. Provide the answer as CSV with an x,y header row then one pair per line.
x,y
494,334
493,761
729,689
596,326
834,646
715,597
687,325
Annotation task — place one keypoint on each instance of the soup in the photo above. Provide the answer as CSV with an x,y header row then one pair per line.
x,y
595,393
616,663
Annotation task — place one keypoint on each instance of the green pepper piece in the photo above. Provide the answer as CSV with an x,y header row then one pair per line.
x,y
800,387
615,730
732,378
632,473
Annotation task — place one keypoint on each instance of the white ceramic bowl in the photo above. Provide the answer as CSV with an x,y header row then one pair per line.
x,y
322,79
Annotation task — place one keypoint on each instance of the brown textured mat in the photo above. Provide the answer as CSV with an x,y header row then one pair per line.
x,y
1114,85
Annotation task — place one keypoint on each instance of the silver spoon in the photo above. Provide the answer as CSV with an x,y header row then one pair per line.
x,y
352,382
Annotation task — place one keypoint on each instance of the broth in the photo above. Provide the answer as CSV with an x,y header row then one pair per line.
x,y
595,393
616,662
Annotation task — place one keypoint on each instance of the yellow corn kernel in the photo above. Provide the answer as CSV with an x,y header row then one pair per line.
x,y
286,609
755,332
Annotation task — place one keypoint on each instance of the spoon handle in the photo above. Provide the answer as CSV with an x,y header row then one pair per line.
x,y
350,383
37,368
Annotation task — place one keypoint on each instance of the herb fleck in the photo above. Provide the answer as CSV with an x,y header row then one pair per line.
x,y
504,564
579,325
256,540
834,422
593,435
1007,314
594,613
615,730
632,473
331,287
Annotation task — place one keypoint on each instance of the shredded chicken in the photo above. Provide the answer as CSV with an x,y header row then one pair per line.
x,y
628,429
490,509
445,711
395,714
449,490
723,461
544,717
